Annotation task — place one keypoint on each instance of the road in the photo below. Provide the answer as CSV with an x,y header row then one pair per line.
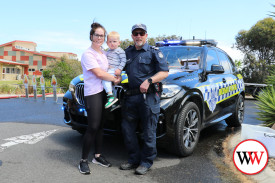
x,y
51,151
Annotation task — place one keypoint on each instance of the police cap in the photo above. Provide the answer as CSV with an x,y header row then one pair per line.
x,y
139,26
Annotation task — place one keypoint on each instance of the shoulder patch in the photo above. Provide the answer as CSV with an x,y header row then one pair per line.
x,y
160,54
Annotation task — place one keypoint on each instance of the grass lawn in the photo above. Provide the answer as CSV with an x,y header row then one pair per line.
x,y
11,82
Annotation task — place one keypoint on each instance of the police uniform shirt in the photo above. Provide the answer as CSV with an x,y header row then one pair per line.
x,y
143,64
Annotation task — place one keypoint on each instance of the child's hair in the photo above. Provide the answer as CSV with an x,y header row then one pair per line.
x,y
113,34
94,26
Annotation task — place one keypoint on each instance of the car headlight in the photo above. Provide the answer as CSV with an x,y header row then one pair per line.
x,y
71,87
170,91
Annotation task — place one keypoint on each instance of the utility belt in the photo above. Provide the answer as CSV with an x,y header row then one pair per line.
x,y
153,88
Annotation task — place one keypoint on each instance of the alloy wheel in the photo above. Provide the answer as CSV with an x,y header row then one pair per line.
x,y
190,128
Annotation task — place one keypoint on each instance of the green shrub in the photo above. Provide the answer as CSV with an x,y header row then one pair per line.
x,y
10,89
5,88
64,71
266,106
271,79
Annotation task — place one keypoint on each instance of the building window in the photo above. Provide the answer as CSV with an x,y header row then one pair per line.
x,y
10,70
31,70
40,70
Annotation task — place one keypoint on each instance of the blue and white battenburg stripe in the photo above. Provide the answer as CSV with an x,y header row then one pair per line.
x,y
218,92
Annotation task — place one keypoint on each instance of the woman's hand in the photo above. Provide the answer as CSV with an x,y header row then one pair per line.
x,y
117,80
117,72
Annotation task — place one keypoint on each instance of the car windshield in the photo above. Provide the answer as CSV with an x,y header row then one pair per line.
x,y
179,56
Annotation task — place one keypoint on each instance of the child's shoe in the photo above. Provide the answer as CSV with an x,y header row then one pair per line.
x,y
111,99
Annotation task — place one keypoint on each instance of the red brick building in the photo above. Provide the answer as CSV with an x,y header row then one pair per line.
x,y
20,57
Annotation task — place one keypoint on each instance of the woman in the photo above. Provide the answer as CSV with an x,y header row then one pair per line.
x,y
94,64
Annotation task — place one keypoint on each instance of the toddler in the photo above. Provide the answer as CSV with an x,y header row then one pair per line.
x,y
117,60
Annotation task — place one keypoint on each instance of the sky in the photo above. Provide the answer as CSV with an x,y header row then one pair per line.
x,y
64,25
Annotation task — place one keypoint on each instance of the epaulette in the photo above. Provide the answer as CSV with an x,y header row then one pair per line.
x,y
155,48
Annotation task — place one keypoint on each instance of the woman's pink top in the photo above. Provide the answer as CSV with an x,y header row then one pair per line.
x,y
91,59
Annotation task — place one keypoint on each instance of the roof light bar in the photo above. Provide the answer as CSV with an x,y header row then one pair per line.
x,y
191,42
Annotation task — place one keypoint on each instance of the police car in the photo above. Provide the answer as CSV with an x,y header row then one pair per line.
x,y
203,88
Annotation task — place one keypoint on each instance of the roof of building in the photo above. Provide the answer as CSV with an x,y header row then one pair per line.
x,y
11,62
58,52
34,52
17,41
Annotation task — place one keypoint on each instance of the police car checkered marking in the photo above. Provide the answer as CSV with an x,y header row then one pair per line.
x,y
219,92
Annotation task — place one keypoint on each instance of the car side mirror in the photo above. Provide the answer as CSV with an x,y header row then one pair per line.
x,y
216,69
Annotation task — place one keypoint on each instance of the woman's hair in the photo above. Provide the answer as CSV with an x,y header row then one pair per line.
x,y
94,26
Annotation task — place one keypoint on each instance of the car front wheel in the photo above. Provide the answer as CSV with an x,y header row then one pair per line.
x,y
188,129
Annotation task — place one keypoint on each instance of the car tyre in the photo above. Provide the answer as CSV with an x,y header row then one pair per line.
x,y
188,129
237,117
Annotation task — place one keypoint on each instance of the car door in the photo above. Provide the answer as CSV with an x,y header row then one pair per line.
x,y
210,88
228,91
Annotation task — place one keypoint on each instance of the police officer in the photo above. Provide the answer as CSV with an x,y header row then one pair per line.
x,y
145,66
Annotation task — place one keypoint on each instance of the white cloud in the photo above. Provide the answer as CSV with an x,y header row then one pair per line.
x,y
232,52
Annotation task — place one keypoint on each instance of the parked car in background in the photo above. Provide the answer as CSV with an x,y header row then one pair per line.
x,y
203,88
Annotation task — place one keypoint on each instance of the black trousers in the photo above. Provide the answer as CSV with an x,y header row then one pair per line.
x,y
137,109
94,105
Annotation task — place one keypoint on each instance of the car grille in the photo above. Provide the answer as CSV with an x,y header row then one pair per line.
x,y
79,93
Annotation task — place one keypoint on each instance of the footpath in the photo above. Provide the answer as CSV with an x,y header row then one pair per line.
x,y
266,176
229,145
9,96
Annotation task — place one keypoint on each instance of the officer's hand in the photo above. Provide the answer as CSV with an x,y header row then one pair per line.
x,y
144,86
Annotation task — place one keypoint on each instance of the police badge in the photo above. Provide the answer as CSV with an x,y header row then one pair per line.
x,y
160,55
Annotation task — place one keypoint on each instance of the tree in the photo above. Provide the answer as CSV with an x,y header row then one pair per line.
x,y
238,64
272,13
64,70
258,45
151,41
125,43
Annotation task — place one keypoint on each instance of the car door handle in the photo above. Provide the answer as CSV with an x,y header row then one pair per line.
x,y
223,80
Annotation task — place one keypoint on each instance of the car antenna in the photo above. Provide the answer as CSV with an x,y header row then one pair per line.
x,y
186,66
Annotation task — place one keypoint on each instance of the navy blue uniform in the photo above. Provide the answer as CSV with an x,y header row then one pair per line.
x,y
141,65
